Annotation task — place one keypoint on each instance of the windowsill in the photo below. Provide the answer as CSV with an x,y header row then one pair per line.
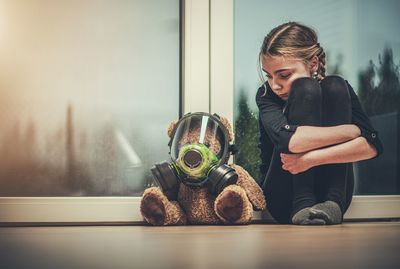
x,y
125,210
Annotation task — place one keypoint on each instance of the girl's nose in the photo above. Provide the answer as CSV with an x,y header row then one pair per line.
x,y
275,86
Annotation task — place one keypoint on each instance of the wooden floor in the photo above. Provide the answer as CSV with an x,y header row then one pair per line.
x,y
350,245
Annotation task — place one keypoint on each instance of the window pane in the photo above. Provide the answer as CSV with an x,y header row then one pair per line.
x,y
87,89
361,40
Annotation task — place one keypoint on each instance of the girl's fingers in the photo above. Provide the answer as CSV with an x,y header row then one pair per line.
x,y
286,167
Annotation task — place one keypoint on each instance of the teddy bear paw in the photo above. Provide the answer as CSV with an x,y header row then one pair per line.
x,y
153,209
233,206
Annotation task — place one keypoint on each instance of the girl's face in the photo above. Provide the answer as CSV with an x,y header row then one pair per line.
x,y
282,71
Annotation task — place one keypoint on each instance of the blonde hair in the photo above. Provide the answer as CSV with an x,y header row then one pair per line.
x,y
296,40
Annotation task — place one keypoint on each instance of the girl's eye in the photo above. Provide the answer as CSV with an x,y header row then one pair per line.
x,y
285,75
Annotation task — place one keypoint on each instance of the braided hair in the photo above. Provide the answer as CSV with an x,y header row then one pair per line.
x,y
296,40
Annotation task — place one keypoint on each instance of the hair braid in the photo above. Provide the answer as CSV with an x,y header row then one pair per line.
x,y
322,63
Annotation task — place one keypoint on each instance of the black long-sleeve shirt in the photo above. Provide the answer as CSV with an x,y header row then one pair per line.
x,y
275,131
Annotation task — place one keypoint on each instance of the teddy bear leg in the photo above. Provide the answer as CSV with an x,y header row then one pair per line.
x,y
156,209
232,206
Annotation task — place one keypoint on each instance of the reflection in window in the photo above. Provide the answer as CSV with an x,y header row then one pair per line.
x,y
361,42
77,94
379,92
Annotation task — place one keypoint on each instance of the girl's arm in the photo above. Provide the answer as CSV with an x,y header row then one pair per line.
x,y
351,151
296,139
307,138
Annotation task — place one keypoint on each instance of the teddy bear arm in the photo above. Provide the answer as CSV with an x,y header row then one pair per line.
x,y
252,189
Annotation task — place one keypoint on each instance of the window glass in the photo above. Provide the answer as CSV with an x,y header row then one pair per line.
x,y
361,40
87,89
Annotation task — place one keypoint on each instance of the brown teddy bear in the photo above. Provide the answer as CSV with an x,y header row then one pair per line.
x,y
198,187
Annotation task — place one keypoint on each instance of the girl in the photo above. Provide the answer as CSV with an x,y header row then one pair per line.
x,y
312,128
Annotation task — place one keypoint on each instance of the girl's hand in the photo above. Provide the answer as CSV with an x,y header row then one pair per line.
x,y
296,163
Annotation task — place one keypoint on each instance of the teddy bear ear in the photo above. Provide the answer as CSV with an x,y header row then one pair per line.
x,y
228,127
171,128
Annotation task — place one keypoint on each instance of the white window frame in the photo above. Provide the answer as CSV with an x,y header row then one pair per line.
x,y
208,85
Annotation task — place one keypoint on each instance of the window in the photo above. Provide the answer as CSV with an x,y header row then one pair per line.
x,y
81,86
87,89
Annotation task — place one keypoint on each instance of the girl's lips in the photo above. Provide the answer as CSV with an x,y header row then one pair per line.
x,y
283,95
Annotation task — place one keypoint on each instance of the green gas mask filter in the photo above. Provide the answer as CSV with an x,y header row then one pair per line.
x,y
196,161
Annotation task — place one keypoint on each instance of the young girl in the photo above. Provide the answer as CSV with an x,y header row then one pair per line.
x,y
312,128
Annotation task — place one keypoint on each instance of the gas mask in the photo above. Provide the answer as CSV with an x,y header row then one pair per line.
x,y
199,149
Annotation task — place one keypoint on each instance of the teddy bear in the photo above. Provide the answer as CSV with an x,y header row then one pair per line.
x,y
198,186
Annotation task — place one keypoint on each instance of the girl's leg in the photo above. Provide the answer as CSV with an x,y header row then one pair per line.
x,y
277,188
304,107
278,192
349,187
333,178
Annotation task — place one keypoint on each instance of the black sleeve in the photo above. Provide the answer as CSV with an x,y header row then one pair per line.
x,y
266,147
273,120
360,118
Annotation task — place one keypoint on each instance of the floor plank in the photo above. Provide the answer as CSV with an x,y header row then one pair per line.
x,y
350,245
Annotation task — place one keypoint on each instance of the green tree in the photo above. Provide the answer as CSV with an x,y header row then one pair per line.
x,y
246,138
379,86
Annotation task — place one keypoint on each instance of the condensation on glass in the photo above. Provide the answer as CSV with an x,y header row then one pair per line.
x,y
87,89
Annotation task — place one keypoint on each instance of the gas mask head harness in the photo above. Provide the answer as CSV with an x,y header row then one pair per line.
x,y
199,149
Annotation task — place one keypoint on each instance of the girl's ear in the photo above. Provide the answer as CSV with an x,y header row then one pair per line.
x,y
314,64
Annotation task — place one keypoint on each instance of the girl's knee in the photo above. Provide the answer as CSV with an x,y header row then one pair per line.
x,y
335,86
337,101
333,80
302,87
